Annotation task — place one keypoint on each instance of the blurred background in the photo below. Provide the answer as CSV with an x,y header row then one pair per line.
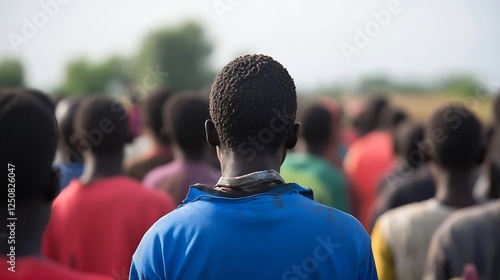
x,y
423,53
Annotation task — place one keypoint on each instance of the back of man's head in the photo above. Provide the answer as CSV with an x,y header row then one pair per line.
x,y
370,117
316,123
65,115
101,127
28,140
406,137
253,98
42,97
184,118
152,107
391,117
457,137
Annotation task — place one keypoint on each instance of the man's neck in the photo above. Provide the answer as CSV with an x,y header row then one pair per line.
x,y
101,166
455,188
233,165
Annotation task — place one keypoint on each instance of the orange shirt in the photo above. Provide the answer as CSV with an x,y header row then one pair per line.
x,y
367,160
32,267
97,227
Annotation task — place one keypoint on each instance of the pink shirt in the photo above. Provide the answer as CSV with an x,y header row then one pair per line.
x,y
176,177
367,160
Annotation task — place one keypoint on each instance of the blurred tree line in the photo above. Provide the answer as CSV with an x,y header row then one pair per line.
x,y
461,85
177,57
11,73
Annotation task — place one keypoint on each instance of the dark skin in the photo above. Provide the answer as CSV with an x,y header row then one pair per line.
x,y
454,187
101,166
234,164
32,217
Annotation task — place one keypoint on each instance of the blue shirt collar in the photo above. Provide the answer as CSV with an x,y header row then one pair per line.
x,y
198,191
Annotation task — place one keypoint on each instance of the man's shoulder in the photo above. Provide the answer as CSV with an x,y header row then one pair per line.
x,y
473,219
156,173
135,193
403,214
306,211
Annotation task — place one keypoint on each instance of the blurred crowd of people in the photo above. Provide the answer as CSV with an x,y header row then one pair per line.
x,y
426,193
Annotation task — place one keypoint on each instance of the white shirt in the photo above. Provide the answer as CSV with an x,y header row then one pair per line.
x,y
407,230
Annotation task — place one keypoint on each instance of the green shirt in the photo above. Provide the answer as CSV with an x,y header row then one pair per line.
x,y
328,183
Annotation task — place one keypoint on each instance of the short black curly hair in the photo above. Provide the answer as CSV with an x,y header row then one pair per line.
x,y
253,97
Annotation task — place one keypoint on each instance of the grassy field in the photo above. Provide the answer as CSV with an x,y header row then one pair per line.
x,y
422,106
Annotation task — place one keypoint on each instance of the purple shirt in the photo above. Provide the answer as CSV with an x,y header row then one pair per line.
x,y
176,177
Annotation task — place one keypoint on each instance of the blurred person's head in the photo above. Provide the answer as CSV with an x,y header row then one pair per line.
x,y
406,136
43,98
391,117
27,148
65,115
316,122
496,109
184,118
253,104
370,118
152,107
101,126
454,146
337,114
457,137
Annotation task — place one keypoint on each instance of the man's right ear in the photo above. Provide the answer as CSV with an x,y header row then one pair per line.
x,y
211,133
293,137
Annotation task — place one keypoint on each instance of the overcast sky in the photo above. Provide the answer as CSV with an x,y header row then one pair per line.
x,y
423,39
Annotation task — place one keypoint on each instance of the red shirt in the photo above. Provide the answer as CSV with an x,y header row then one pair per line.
x,y
367,159
97,227
31,268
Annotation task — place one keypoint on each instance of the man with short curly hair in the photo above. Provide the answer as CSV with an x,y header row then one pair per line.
x,y
253,225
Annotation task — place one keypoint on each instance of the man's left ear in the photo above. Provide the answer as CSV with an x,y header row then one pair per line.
x,y
293,137
211,133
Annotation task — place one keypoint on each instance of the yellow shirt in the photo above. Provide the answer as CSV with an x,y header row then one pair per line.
x,y
401,238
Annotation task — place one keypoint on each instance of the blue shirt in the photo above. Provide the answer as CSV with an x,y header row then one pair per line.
x,y
68,172
279,234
